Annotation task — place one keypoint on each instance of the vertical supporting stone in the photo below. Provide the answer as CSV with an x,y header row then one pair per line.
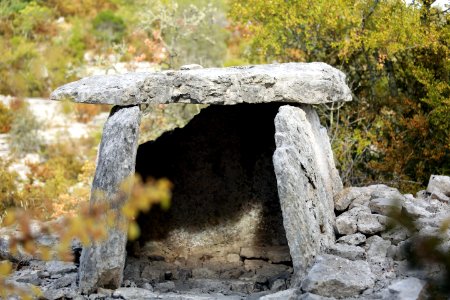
x,y
102,264
307,180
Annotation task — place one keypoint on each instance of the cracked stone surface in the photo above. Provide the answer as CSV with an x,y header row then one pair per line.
x,y
308,83
307,182
102,264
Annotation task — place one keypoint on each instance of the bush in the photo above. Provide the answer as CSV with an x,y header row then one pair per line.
x,y
108,27
8,190
24,133
5,119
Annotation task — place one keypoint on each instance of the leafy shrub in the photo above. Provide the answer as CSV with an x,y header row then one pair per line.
x,y
396,58
9,194
186,32
86,112
24,133
81,8
33,19
5,119
109,27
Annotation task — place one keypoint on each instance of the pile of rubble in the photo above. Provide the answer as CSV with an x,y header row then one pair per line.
x,y
368,260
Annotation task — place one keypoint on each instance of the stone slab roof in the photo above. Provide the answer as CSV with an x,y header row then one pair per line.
x,y
308,83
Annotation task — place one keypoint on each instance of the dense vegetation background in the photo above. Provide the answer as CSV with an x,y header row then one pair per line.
x,y
396,56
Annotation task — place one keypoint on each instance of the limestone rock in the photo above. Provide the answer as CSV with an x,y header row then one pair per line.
x,y
64,281
370,224
337,277
384,191
343,199
384,206
352,239
347,251
59,267
134,294
406,289
103,263
310,296
290,294
307,182
347,222
396,235
309,83
377,247
439,186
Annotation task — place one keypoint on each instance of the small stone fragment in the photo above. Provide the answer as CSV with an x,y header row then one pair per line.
x,y
59,267
310,296
278,285
290,294
384,191
333,276
347,251
191,67
440,187
353,239
377,247
384,206
346,224
407,289
134,294
395,235
64,281
344,198
369,224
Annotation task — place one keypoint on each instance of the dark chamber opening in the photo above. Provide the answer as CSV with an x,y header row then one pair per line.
x,y
225,193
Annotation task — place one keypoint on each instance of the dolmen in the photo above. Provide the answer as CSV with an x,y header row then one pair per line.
x,y
260,128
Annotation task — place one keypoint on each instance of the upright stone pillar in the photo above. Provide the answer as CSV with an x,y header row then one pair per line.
x,y
307,180
102,264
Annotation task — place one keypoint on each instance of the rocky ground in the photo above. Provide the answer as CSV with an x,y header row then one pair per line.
x,y
368,260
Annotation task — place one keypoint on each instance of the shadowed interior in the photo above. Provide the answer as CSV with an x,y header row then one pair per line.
x,y
225,193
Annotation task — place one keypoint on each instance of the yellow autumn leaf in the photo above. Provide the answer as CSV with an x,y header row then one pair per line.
x,y
133,231
5,268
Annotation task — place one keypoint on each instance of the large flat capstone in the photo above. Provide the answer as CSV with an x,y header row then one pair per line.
x,y
308,83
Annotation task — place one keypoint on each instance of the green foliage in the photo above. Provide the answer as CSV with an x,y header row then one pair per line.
x,y
109,27
80,8
8,188
24,134
32,19
397,59
5,118
189,31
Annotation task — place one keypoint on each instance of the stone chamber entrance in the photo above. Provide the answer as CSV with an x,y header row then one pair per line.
x,y
224,229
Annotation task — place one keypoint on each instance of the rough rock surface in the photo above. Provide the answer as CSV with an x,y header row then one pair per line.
x,y
406,289
364,214
102,264
306,185
251,275
333,276
309,83
440,187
